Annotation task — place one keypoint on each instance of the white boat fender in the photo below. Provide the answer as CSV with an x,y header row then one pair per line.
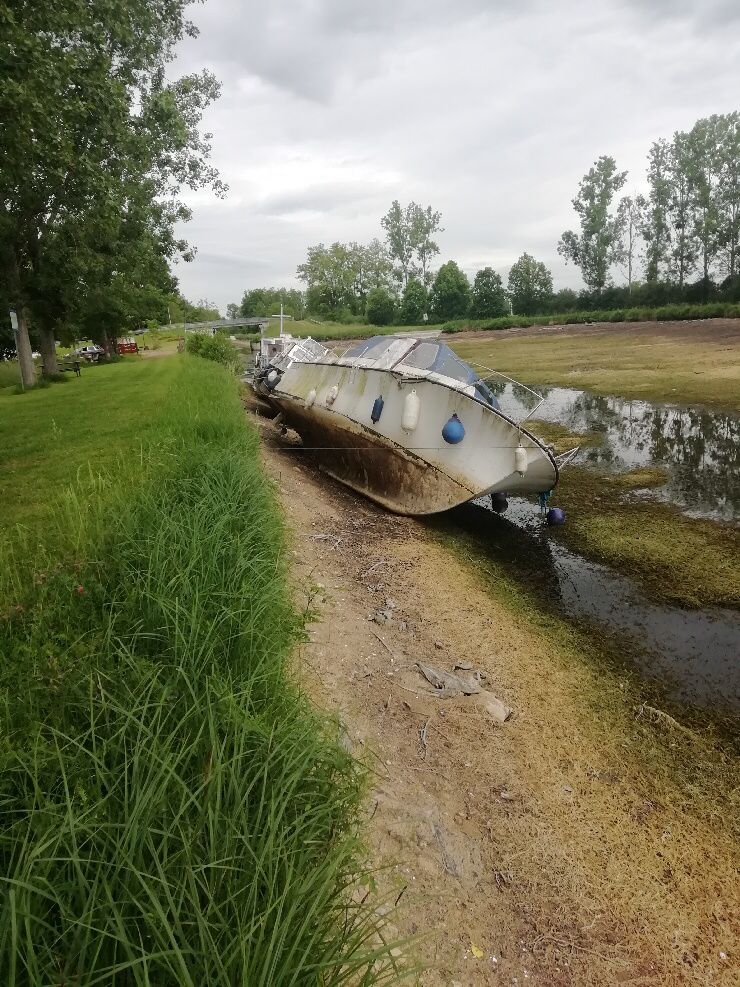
x,y
520,460
411,411
311,397
331,394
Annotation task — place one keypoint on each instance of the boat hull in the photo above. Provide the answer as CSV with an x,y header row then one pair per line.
x,y
409,472
385,472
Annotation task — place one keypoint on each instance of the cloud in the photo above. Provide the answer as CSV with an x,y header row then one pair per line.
x,y
491,112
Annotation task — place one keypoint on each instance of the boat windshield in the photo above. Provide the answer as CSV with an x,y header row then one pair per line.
x,y
424,355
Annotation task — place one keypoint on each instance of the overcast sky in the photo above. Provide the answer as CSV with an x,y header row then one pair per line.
x,y
489,110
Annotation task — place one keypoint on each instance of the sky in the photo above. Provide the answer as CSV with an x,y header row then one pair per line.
x,y
491,111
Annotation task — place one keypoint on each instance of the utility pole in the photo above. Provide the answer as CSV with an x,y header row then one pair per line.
x,y
23,349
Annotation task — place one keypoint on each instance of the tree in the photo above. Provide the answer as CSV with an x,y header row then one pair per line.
x,y
267,301
597,246
373,268
330,275
381,307
489,297
564,300
684,247
450,296
398,226
530,286
232,311
729,194
409,232
339,277
655,228
706,171
424,224
95,127
413,303
630,220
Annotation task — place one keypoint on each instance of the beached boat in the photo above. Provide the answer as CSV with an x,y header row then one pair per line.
x,y
403,420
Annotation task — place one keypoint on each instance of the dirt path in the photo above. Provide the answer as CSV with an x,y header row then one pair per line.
x,y
532,851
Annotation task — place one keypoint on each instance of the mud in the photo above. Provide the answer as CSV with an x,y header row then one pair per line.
x,y
541,850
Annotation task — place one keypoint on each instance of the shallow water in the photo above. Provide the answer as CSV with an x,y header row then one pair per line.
x,y
693,654
700,449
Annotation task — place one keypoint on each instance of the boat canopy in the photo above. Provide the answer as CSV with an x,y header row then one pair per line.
x,y
418,357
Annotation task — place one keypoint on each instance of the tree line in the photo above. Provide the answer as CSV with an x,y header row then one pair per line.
x,y
679,241
100,145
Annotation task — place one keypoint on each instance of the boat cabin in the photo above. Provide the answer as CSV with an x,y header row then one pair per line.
x,y
425,359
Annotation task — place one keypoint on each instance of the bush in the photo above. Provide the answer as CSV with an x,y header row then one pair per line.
x,y
381,307
218,348
666,313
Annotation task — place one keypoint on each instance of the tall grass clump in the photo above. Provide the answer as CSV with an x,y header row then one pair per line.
x,y
173,811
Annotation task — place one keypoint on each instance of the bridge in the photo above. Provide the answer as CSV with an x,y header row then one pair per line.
x,y
257,322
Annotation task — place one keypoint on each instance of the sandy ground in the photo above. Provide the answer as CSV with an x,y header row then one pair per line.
x,y
533,851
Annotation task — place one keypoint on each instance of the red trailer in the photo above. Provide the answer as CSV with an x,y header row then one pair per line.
x,y
127,346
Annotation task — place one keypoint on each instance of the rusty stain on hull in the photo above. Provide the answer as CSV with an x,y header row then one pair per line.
x,y
385,472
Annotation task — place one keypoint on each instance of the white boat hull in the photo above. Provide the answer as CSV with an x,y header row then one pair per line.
x,y
408,471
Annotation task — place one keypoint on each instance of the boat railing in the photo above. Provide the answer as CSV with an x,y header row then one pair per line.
x,y
497,373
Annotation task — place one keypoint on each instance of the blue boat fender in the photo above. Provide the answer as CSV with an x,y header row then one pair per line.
x,y
556,516
454,431
377,410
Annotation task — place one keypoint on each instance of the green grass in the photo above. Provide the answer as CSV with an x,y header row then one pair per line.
x,y
172,811
9,374
649,365
48,435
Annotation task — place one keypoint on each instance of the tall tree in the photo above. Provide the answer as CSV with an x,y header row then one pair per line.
x,y
681,204
597,245
94,122
530,286
398,226
489,296
410,232
729,194
705,175
630,221
656,230
450,296
425,224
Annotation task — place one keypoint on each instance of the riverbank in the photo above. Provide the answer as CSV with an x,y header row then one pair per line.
x,y
684,362
576,842
170,803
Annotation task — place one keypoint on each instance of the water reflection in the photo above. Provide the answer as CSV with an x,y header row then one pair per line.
x,y
699,448
692,653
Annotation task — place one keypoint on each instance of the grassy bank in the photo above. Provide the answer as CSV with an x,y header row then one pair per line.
x,y
647,364
173,812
